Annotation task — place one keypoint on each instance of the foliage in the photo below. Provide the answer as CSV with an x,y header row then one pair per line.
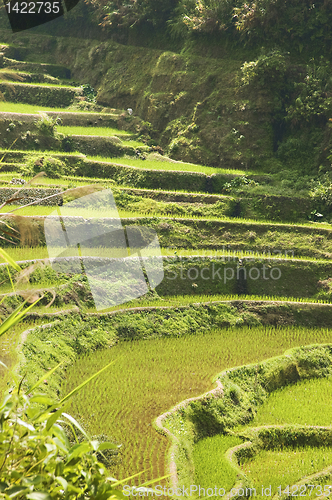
x,y
295,22
314,94
299,22
89,92
322,189
47,124
127,14
201,16
37,460
52,167
300,150
267,70
238,182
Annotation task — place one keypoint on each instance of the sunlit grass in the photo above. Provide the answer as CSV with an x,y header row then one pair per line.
x,y
99,131
40,210
151,376
40,252
286,467
15,107
51,85
167,165
307,403
211,466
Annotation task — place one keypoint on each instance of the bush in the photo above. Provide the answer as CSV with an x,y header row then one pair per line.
x,y
269,69
89,92
313,95
322,190
237,182
53,167
47,125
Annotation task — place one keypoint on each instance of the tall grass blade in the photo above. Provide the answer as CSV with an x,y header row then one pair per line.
x,y
9,260
15,317
45,377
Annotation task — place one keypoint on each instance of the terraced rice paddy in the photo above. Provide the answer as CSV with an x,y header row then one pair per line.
x,y
165,164
305,403
284,468
211,465
98,131
151,376
17,107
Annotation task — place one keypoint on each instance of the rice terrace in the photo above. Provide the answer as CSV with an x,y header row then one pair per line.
x,y
166,245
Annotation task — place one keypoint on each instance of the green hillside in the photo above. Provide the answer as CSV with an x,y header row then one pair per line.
x,y
166,204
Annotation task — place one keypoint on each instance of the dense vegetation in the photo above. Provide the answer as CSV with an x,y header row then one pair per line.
x,y
210,122
264,21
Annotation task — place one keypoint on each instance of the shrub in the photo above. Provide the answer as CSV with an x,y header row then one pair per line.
x,y
53,167
322,189
269,69
238,182
67,144
313,94
47,125
89,92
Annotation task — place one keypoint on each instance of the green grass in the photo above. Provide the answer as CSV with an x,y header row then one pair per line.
x,y
40,252
141,211
51,85
307,403
211,465
99,131
67,182
40,210
183,300
286,467
13,107
8,350
167,165
151,376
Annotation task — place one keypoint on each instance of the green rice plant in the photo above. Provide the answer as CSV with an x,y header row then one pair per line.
x,y
50,85
99,131
123,213
16,107
305,403
9,345
46,124
211,465
166,165
40,252
282,468
151,376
